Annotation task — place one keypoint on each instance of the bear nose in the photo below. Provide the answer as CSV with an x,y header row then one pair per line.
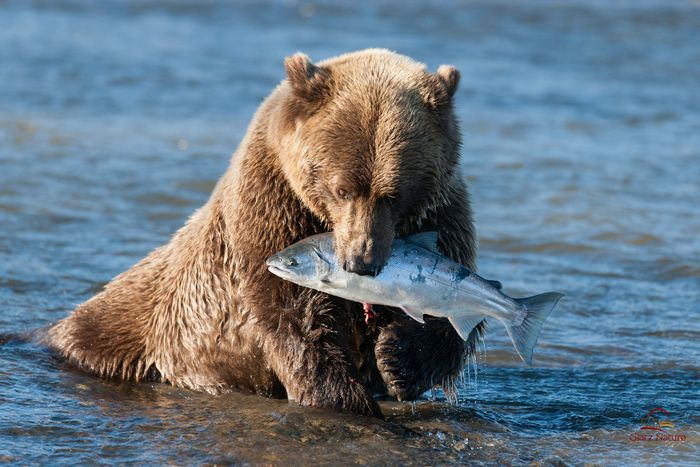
x,y
359,266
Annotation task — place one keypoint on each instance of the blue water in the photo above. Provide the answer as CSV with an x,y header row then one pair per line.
x,y
581,125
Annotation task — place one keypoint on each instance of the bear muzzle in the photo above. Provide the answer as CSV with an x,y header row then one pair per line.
x,y
359,266
366,256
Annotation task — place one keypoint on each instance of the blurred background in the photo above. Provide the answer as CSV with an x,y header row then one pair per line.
x,y
581,148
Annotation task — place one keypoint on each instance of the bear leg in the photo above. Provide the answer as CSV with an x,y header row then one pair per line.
x,y
307,352
414,357
321,377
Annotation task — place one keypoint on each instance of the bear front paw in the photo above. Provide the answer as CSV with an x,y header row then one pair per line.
x,y
414,357
352,397
398,364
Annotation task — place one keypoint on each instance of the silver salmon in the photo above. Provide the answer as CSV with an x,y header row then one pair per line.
x,y
419,280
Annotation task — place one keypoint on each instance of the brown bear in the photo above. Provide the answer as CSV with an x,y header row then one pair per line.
x,y
366,145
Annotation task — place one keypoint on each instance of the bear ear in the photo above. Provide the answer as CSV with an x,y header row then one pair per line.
x,y
306,79
449,77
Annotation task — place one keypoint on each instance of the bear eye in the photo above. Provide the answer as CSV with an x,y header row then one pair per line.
x,y
343,194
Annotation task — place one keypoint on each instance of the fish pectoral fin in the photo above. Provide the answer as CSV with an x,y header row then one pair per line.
x,y
336,283
417,315
427,240
464,324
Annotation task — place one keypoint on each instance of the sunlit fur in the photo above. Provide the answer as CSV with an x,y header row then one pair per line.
x,y
203,312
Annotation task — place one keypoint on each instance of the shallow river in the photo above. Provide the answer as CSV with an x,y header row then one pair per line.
x,y
581,127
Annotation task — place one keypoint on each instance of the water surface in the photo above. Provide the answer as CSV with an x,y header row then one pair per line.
x,y
581,148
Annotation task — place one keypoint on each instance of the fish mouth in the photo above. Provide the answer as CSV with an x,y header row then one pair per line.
x,y
279,272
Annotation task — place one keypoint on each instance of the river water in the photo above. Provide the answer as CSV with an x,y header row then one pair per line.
x,y
581,125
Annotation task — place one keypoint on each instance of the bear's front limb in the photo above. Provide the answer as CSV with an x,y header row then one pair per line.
x,y
414,357
310,362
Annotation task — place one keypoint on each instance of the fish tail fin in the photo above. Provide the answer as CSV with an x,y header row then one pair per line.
x,y
536,309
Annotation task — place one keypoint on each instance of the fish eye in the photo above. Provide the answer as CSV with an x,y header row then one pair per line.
x,y
291,262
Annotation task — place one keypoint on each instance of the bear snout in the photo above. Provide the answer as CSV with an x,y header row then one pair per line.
x,y
363,232
359,266
366,256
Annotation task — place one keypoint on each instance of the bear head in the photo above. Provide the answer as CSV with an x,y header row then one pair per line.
x,y
367,140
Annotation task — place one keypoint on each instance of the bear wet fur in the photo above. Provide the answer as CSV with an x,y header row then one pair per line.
x,y
365,144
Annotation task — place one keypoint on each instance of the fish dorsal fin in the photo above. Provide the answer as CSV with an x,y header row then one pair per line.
x,y
495,284
427,240
417,315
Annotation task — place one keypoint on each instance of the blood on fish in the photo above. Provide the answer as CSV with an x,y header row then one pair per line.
x,y
369,312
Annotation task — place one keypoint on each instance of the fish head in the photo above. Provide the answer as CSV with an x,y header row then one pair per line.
x,y
305,263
